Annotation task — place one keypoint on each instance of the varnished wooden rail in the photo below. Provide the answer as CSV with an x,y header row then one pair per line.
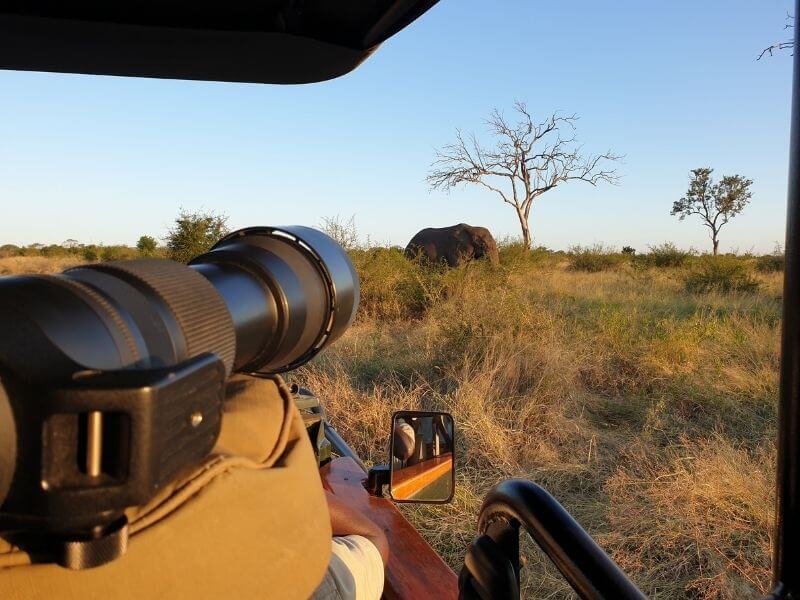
x,y
414,571
408,481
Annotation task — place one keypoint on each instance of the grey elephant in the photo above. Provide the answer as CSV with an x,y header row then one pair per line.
x,y
455,245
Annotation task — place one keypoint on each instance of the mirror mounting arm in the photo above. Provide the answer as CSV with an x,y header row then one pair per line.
x,y
377,478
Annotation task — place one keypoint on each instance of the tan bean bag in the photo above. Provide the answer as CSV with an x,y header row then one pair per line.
x,y
251,522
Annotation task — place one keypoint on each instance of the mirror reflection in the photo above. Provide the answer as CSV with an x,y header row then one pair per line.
x,y
422,467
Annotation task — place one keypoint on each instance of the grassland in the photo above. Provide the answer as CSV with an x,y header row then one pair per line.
x,y
644,402
640,391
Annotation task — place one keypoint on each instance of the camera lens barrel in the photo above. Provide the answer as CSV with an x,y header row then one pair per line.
x,y
290,291
264,299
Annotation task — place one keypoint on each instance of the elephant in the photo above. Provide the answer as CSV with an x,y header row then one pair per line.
x,y
456,244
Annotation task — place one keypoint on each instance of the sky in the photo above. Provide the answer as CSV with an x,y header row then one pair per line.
x,y
671,85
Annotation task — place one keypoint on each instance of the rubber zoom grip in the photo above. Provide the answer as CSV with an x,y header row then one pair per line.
x,y
196,305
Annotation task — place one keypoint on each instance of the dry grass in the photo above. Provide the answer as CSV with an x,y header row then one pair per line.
x,y
648,411
14,265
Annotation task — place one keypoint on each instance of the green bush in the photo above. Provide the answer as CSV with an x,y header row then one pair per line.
x,y
515,255
91,252
593,259
7,250
770,263
667,255
147,245
54,251
195,233
720,274
108,253
393,286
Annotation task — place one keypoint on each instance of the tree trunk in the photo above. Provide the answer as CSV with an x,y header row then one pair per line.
x,y
526,231
716,244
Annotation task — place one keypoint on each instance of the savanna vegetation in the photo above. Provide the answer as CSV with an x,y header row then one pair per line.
x,y
638,387
191,234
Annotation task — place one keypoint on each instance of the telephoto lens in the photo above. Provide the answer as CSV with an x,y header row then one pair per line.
x,y
289,291
112,374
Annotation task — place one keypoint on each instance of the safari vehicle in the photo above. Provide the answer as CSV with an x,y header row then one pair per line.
x,y
69,396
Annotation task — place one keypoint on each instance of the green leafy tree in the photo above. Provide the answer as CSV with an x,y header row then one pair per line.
x,y
714,203
195,233
147,245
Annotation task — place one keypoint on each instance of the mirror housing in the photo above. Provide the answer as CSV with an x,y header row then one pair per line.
x,y
422,457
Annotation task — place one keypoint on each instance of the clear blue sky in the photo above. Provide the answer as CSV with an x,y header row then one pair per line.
x,y
671,85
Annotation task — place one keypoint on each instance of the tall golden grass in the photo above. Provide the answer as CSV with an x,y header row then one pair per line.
x,y
647,410
14,265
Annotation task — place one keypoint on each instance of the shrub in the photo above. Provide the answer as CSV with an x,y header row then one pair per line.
x,y
720,274
57,251
515,255
90,253
108,253
667,255
594,258
340,231
770,263
147,245
392,286
195,233
7,250
629,250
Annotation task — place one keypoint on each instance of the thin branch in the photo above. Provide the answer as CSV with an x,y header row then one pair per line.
x,y
528,159
778,46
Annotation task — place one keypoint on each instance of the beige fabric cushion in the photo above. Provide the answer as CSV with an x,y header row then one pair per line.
x,y
251,522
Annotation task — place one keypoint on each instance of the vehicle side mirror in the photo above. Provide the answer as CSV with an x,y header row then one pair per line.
x,y
422,460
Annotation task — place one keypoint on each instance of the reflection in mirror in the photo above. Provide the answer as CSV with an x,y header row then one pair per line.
x,y
422,467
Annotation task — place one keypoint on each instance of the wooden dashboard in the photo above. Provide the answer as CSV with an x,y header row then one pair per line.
x,y
414,571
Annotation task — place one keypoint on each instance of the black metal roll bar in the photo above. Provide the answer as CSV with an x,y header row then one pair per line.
x,y
491,567
786,561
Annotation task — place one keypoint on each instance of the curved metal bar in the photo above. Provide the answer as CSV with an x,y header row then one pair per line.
x,y
341,447
587,568
779,593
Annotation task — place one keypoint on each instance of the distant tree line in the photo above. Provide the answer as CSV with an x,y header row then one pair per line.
x,y
192,233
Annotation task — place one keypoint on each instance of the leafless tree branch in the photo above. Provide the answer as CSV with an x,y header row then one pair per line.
x,y
529,158
778,46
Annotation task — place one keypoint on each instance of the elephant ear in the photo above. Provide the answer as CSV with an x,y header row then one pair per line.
x,y
464,236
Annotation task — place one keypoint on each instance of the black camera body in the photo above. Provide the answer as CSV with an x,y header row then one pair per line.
x,y
112,375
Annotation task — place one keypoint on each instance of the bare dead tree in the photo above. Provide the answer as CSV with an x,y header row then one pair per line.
x,y
341,231
527,160
778,46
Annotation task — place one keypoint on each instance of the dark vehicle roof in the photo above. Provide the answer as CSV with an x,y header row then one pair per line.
x,y
269,41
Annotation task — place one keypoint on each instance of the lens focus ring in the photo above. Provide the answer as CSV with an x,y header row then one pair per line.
x,y
197,307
